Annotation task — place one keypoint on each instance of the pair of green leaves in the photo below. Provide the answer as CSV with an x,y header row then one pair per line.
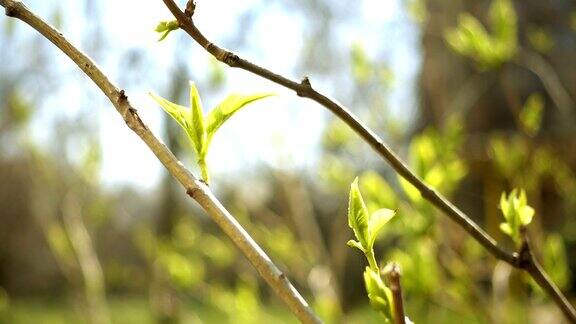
x,y
365,225
516,212
489,50
199,128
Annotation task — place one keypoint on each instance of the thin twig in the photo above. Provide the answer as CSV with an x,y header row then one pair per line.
x,y
392,272
305,89
194,187
528,262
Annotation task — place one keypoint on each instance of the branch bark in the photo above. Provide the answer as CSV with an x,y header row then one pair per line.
x,y
392,273
194,187
305,89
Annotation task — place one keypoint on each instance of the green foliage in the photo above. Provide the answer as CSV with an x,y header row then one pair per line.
x,y
420,268
555,260
434,157
379,295
531,115
489,50
184,271
517,213
199,129
4,299
541,40
20,109
366,226
377,191
366,70
165,27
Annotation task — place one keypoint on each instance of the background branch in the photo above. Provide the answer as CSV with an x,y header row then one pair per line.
x,y
305,89
195,188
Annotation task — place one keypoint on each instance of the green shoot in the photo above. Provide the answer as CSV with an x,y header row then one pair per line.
x,y
517,214
201,129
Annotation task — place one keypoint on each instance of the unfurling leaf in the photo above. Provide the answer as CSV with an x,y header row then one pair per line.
x,y
516,213
355,244
379,295
227,108
358,215
198,130
165,27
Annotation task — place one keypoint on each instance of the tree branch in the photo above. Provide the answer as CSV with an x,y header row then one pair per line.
x,y
194,187
305,89
528,262
392,273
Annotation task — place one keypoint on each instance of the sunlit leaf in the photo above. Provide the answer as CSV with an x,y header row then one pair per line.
x,y
377,221
516,213
198,131
377,192
227,108
526,213
358,215
506,229
177,112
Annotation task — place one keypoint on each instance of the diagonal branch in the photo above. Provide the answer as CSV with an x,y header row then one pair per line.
x,y
194,187
305,89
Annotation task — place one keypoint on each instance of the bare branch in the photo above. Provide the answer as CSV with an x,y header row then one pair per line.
x,y
528,262
194,187
305,89
392,273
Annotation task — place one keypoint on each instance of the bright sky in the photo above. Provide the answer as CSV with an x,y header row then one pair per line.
x,y
282,131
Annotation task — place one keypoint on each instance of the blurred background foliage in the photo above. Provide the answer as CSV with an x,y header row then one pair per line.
x,y
492,109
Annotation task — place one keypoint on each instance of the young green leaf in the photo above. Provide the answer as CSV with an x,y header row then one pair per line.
x,y
379,295
377,221
356,244
165,27
197,131
227,108
358,215
516,213
179,113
